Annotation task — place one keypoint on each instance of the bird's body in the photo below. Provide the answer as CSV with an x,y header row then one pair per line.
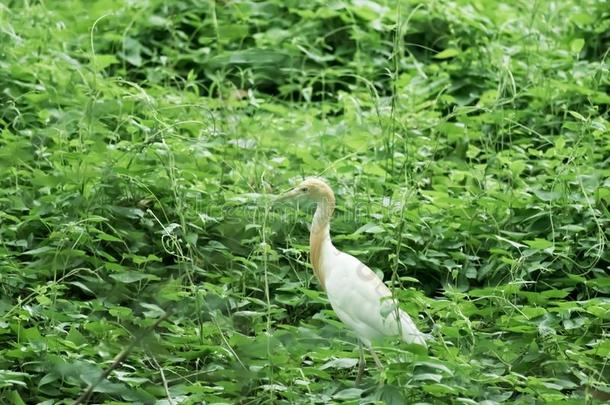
x,y
364,303
358,296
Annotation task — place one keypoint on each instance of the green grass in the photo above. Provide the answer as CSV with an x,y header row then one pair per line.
x,y
468,144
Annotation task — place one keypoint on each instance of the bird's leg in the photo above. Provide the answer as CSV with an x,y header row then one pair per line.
x,y
377,361
361,363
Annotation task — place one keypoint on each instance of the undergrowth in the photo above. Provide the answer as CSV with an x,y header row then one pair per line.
x,y
141,258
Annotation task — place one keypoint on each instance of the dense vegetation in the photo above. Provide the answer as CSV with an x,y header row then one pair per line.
x,y
468,143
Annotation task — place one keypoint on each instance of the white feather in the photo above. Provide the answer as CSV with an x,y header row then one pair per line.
x,y
362,301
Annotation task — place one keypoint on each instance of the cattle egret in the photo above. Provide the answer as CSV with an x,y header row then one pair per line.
x,y
359,298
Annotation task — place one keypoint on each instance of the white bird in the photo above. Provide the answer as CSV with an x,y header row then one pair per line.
x,y
359,298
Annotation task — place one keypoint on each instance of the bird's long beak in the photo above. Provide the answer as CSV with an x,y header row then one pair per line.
x,y
286,196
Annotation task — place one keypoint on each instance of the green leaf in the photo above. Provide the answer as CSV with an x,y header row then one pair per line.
x,y
547,195
390,395
102,61
348,393
81,286
577,44
231,32
340,363
434,365
472,151
428,377
577,115
154,311
76,337
104,236
40,250
533,312
555,293
14,398
439,389
538,243
370,228
127,277
120,312
602,349
12,378
447,53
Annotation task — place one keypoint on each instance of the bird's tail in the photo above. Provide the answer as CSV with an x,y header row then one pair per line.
x,y
409,332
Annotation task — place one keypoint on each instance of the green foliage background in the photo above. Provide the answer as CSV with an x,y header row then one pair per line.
x,y
468,143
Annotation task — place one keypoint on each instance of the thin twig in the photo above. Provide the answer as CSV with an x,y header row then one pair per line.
x,y
169,397
119,359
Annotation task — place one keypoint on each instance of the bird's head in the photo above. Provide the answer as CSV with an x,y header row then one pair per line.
x,y
313,188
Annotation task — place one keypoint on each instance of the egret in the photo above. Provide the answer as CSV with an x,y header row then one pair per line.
x,y
357,295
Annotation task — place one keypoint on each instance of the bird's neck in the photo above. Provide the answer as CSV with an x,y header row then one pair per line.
x,y
319,237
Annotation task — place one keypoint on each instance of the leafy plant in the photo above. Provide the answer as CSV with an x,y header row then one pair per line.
x,y
141,259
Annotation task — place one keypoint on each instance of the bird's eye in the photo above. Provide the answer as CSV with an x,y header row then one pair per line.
x,y
304,189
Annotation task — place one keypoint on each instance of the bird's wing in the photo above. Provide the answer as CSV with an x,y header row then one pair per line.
x,y
364,302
